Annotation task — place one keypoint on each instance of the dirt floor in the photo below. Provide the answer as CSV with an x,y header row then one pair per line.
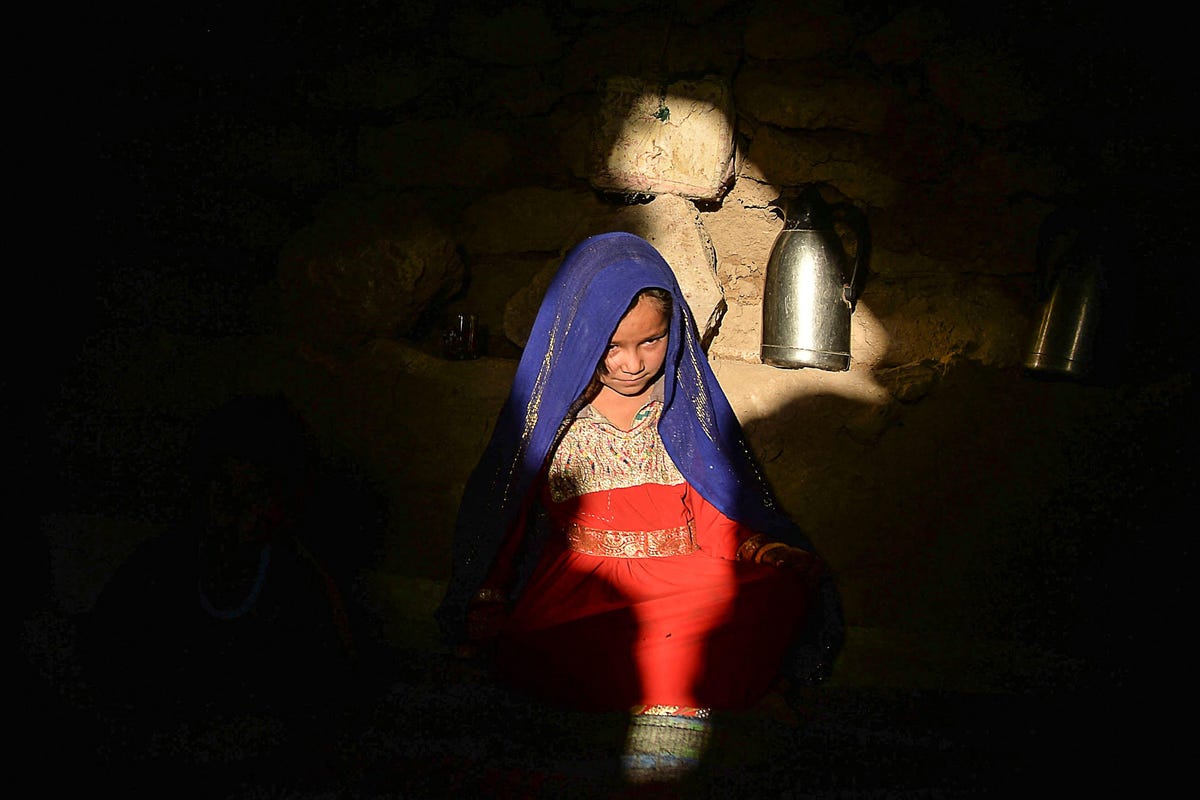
x,y
433,726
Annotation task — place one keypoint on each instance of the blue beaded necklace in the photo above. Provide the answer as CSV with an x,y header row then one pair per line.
x,y
264,559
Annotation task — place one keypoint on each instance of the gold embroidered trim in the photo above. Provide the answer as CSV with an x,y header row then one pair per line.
x,y
594,455
669,711
631,544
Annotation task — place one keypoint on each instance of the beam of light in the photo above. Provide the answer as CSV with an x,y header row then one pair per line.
x,y
758,392
667,142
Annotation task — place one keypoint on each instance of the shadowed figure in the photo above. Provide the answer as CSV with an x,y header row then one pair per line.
x,y
225,641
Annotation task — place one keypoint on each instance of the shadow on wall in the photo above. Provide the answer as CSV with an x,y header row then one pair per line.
x,y
996,512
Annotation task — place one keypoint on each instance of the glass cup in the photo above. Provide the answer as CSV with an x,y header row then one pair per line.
x,y
459,338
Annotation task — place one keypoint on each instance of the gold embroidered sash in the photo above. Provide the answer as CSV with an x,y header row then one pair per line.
x,y
631,544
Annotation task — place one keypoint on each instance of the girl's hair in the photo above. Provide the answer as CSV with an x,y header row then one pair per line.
x,y
661,295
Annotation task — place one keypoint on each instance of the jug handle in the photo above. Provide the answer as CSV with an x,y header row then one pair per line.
x,y
857,220
777,208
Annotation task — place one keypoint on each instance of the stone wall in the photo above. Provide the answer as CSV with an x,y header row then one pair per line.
x,y
443,166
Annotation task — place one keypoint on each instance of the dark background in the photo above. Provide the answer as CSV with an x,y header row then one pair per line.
x,y
128,178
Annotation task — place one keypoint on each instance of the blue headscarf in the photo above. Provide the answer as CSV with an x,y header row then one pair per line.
x,y
591,291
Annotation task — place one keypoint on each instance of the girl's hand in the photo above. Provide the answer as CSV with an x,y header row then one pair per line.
x,y
786,557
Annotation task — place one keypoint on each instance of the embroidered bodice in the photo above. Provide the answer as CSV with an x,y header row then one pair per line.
x,y
595,455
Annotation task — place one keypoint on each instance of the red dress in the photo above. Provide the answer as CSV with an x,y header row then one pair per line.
x,y
637,598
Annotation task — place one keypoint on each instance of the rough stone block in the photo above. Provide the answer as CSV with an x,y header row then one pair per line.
x,y
370,265
673,226
672,138
527,219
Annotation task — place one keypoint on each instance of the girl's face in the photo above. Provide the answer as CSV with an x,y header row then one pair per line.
x,y
637,350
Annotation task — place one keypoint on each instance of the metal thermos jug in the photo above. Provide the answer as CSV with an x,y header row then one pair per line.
x,y
1070,283
811,285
